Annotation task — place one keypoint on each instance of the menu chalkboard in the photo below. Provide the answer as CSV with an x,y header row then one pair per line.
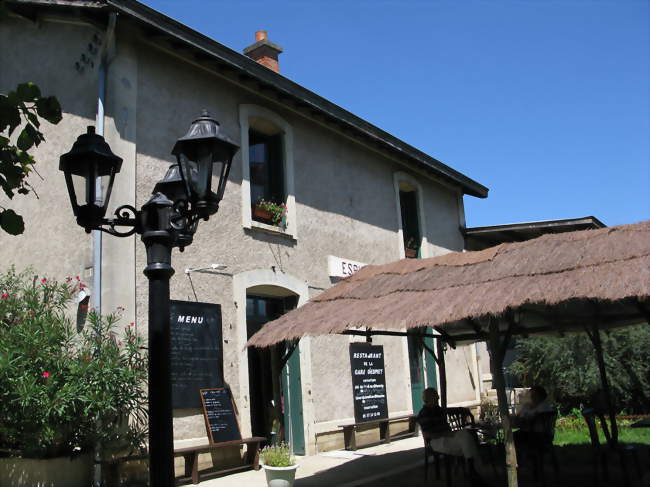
x,y
368,382
196,352
219,413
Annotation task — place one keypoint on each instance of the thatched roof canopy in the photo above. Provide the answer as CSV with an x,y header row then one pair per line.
x,y
557,282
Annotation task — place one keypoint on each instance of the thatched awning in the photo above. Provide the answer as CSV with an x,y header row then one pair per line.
x,y
558,282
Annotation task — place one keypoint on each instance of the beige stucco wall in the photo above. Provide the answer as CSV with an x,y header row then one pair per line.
x,y
52,243
345,206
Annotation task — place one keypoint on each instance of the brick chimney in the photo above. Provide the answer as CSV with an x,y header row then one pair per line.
x,y
264,52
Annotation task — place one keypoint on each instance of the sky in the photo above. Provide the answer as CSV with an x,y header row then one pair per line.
x,y
544,102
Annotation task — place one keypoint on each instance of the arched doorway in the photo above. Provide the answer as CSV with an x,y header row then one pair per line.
x,y
274,378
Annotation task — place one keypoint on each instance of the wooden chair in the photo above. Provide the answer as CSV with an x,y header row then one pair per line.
x,y
601,452
457,418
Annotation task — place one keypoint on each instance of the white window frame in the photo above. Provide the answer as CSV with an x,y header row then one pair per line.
x,y
424,243
246,112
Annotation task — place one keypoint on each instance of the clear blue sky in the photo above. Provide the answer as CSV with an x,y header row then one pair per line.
x,y
544,102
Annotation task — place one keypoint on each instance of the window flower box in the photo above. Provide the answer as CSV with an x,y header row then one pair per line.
x,y
271,213
411,253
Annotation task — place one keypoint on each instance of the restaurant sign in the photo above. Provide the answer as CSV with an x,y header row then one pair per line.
x,y
368,382
342,267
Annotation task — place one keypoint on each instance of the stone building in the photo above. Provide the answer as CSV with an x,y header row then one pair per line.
x,y
354,195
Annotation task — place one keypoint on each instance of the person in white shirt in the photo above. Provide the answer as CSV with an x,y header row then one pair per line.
x,y
529,429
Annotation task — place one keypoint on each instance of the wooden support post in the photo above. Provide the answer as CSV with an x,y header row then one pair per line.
x,y
443,374
598,346
497,352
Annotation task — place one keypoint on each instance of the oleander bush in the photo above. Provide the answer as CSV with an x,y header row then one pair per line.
x,y
62,391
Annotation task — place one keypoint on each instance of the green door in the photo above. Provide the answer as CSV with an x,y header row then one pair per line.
x,y
416,367
293,417
430,363
422,367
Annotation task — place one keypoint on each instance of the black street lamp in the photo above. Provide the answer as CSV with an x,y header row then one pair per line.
x,y
169,219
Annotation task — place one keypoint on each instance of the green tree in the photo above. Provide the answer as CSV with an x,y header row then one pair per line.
x,y
567,367
21,113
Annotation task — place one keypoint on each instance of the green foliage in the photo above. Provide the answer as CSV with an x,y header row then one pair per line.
x,y
277,456
567,367
21,112
62,391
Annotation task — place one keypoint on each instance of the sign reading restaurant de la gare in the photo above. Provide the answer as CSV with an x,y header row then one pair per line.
x,y
196,351
338,267
368,382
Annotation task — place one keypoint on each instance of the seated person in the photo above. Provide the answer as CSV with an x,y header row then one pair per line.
x,y
437,433
530,430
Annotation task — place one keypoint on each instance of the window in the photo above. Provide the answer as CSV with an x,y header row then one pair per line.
x,y
268,201
265,155
412,233
410,223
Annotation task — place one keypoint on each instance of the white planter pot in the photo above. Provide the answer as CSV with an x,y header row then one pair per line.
x,y
280,476
50,472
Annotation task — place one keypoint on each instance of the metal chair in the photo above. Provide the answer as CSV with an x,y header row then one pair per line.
x,y
601,452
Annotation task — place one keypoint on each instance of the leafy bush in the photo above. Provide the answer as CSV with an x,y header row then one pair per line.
x,y
567,367
277,456
62,391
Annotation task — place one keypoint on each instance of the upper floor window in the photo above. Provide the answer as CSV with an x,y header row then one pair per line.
x,y
268,201
411,230
410,222
266,162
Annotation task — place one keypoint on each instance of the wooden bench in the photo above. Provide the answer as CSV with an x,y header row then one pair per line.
x,y
350,430
191,457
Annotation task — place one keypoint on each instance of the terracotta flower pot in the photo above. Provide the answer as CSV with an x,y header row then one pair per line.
x,y
411,253
263,215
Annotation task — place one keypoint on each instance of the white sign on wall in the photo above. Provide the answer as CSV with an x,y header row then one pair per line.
x,y
342,267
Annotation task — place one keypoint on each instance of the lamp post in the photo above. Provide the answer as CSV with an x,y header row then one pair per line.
x,y
169,219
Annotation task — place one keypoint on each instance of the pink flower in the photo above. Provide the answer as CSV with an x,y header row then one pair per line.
x,y
44,280
77,278
81,285
132,323
119,344
46,375
5,295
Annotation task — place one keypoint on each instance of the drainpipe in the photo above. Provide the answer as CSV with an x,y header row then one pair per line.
x,y
97,235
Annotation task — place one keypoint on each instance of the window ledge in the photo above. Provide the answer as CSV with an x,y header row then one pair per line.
x,y
272,229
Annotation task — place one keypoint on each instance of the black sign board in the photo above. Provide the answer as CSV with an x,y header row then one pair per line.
x,y
368,382
219,413
196,352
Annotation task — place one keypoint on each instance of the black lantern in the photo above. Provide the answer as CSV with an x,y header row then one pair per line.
x,y
181,220
202,152
89,170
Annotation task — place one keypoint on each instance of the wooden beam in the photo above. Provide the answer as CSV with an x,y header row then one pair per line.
x,y
433,354
496,364
446,336
443,374
598,347
287,354
390,333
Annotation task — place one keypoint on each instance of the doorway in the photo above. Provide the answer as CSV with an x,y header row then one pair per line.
x,y
274,388
422,366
